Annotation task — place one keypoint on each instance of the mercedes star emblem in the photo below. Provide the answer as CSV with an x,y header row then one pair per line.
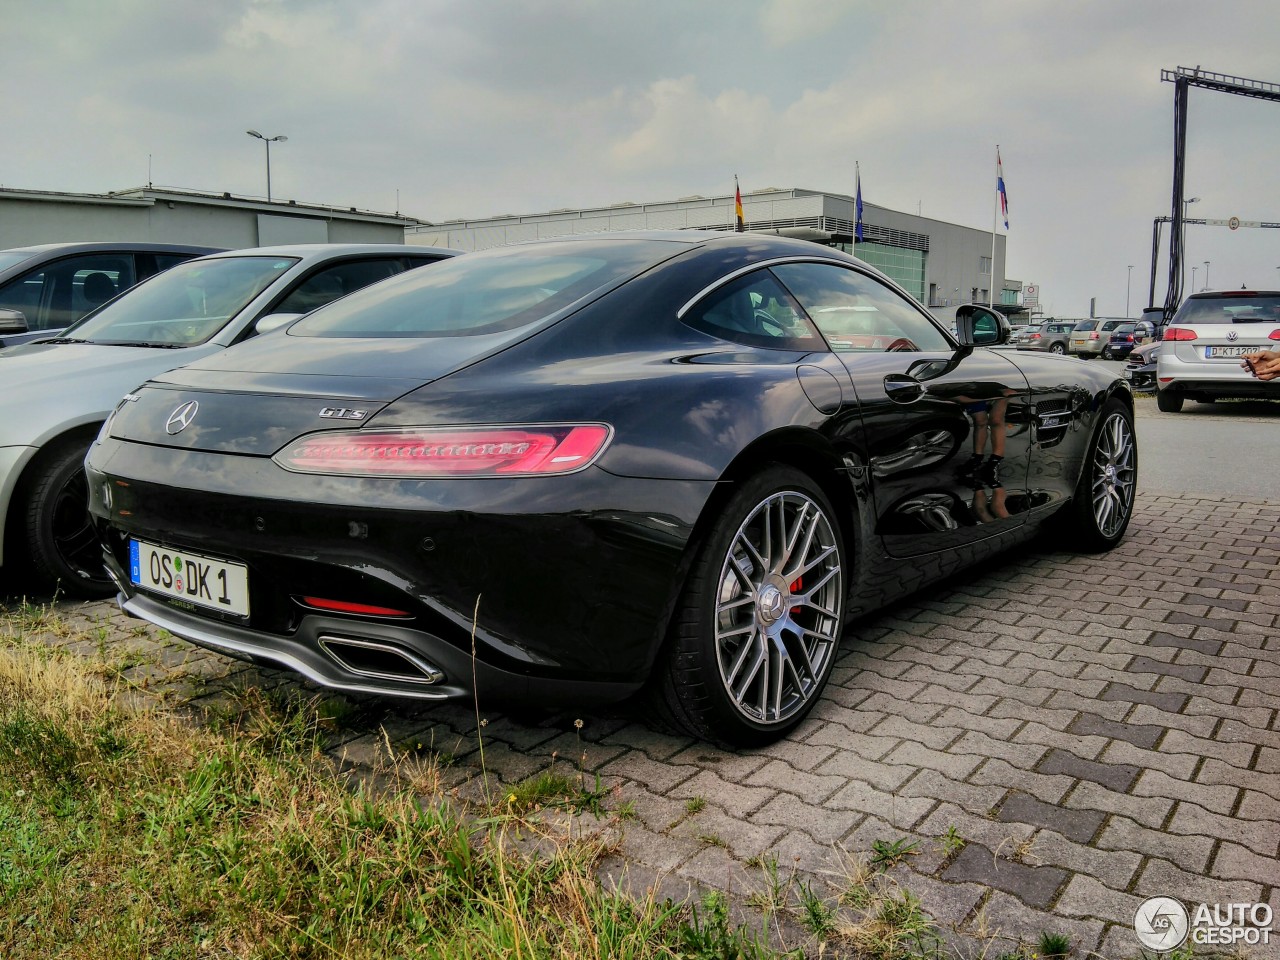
x,y
181,418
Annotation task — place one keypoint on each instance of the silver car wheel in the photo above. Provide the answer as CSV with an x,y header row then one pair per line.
x,y
779,609
1114,475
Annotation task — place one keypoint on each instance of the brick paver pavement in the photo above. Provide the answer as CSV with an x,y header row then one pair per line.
x,y
1097,729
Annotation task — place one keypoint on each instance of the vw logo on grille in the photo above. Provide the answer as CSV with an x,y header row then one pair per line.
x,y
1232,335
181,418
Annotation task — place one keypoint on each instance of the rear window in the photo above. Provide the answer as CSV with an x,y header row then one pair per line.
x,y
483,293
1124,328
1085,325
1237,308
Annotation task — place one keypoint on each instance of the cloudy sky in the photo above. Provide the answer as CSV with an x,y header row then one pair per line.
x,y
475,107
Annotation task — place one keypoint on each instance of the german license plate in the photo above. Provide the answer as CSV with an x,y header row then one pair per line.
x,y
1235,350
180,575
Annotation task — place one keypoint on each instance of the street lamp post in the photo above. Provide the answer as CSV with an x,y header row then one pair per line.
x,y
1128,285
1193,279
267,141
1206,274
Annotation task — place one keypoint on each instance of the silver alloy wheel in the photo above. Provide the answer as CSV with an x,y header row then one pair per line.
x,y
1114,476
780,606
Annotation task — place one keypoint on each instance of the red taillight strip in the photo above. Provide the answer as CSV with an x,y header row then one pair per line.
x,y
1179,333
1274,335
525,450
344,606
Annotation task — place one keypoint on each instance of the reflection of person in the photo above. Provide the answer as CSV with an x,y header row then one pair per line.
x,y
982,470
1264,364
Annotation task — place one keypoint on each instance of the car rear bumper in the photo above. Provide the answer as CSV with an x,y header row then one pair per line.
x,y
561,586
1219,378
1088,347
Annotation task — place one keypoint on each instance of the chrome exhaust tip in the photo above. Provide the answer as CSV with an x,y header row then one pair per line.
x,y
383,661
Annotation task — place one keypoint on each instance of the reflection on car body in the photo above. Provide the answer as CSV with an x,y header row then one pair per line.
x,y
600,465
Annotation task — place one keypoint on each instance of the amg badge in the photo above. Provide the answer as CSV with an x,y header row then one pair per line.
x,y
343,413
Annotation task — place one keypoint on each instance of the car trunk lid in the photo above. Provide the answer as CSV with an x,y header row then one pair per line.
x,y
261,395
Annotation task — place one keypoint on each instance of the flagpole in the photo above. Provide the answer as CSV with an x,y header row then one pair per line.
x,y
995,213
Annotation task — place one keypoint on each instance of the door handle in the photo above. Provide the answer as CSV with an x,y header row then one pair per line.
x,y
902,388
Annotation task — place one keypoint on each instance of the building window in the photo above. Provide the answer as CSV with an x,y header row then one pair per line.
x,y
984,264
982,297
973,295
933,295
903,266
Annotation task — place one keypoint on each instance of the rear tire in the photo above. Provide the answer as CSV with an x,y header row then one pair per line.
x,y
1106,353
1169,402
757,628
60,538
1103,502
1057,348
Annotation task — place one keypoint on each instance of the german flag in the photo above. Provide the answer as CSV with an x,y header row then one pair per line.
x,y
739,219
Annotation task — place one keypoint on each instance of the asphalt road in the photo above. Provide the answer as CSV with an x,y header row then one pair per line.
x,y
1224,449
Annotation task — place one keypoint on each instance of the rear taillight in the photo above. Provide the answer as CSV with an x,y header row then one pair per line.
x,y
1179,333
1034,336
1094,335
1274,335
503,451
1129,338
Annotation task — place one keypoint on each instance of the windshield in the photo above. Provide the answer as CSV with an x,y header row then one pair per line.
x,y
482,293
1231,308
182,306
9,257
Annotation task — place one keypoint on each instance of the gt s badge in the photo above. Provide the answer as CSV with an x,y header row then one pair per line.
x,y
343,413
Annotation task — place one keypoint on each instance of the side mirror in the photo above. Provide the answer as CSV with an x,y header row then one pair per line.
x,y
13,321
981,327
274,321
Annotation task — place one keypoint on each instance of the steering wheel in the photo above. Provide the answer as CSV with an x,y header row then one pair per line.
x,y
902,345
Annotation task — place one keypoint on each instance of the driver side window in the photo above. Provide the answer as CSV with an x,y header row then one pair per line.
x,y
857,313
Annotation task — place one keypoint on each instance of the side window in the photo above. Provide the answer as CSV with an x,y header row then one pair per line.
x,y
60,293
330,283
166,260
858,313
756,310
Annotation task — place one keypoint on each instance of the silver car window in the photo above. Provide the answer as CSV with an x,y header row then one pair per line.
x,y
182,306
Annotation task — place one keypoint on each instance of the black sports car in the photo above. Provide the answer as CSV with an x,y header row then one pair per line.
x,y
569,470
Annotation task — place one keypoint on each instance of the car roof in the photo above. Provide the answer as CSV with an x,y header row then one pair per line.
x,y
312,252
92,246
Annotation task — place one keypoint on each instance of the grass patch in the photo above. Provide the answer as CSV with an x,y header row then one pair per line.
x,y
135,833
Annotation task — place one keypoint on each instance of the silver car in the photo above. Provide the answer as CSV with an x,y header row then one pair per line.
x,y
58,392
1089,337
1203,344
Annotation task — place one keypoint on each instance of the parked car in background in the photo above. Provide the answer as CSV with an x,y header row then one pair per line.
x,y
1048,337
1205,340
559,471
57,392
1140,371
1125,337
1088,337
1016,332
45,287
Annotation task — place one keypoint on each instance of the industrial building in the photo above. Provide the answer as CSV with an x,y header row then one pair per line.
x,y
940,264
179,216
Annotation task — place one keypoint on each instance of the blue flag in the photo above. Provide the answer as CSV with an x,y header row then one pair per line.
x,y
1004,198
857,204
